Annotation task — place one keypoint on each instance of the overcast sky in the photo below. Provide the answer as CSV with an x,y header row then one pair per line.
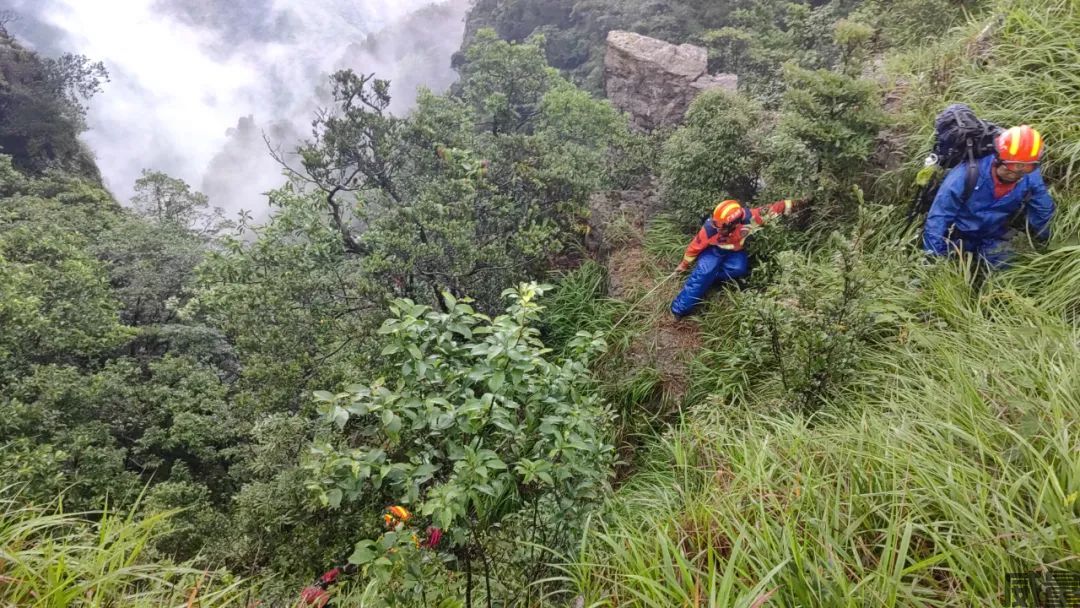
x,y
196,83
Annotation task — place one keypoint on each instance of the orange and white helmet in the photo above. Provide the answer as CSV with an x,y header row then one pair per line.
x,y
727,212
1019,145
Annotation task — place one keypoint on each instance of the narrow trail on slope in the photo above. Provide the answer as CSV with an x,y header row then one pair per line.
x,y
663,343
659,341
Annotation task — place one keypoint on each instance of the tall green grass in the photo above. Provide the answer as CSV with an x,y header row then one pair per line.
x,y
1054,278
953,460
579,304
52,559
1027,73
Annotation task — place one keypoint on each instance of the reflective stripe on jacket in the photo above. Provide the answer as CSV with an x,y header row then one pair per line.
x,y
732,237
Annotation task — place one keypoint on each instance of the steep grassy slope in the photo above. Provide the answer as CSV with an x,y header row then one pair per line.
x,y
946,452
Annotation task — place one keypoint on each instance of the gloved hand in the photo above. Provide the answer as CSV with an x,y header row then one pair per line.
x,y
683,266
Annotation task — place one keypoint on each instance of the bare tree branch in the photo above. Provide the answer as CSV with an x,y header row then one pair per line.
x,y
7,16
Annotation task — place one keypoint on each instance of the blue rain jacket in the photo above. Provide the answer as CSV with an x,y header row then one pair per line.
x,y
981,217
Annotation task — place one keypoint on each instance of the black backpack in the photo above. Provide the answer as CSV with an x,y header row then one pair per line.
x,y
959,136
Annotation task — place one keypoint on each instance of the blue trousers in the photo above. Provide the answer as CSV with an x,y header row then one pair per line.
x,y
713,265
992,250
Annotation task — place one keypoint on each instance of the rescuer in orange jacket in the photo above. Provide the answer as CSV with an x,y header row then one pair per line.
x,y
716,253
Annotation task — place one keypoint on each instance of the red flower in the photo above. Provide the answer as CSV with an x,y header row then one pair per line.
x,y
314,596
434,535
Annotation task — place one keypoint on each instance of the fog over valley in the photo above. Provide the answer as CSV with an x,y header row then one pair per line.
x,y
196,84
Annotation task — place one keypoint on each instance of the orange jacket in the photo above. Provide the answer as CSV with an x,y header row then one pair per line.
x,y
731,235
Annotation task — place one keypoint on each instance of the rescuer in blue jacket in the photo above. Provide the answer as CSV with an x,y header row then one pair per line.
x,y
1007,180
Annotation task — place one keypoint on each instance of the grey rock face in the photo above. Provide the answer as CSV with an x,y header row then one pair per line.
x,y
655,81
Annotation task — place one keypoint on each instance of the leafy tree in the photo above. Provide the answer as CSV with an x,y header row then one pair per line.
x,y
296,307
480,434
150,267
355,150
589,142
42,108
168,201
466,194
56,305
109,429
714,155
729,50
826,134
853,37
505,82
75,79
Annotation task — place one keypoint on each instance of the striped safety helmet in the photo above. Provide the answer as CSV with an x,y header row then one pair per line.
x,y
727,212
1020,145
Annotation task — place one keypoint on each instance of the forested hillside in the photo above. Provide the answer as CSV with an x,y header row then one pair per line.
x,y
445,360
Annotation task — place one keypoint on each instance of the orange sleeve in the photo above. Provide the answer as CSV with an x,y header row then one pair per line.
x,y
700,242
762,214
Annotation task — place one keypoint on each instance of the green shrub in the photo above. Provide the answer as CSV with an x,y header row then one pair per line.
x,y
483,436
713,156
826,133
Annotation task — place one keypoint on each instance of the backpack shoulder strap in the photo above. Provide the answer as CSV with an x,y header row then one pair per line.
x,y
972,174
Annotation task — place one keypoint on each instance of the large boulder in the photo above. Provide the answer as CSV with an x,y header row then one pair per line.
x,y
655,81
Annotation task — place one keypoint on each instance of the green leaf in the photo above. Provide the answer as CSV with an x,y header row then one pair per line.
x,y
462,330
363,553
393,428
425,472
324,396
443,422
333,498
496,381
341,417
446,517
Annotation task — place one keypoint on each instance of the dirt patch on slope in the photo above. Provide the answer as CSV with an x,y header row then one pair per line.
x,y
662,343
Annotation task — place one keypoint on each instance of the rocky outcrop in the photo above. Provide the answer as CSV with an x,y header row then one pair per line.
x,y
655,81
